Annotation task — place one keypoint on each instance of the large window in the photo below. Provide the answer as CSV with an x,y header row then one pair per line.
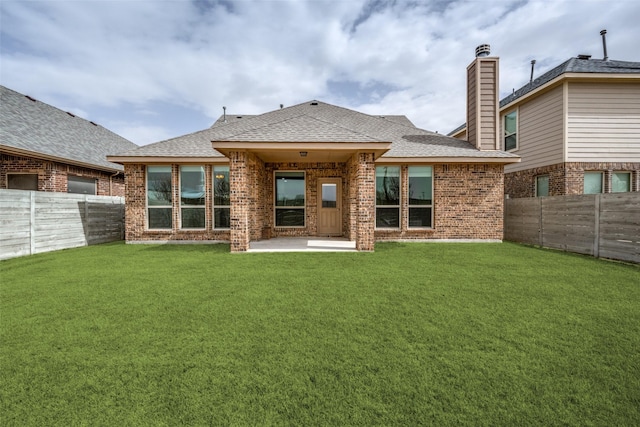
x,y
22,181
388,196
593,182
620,182
511,131
80,185
192,189
290,199
159,197
542,186
420,196
221,200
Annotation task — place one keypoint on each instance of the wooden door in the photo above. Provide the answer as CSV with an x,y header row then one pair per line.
x,y
329,207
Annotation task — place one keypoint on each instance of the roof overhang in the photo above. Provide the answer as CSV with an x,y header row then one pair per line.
x,y
306,152
451,159
47,157
166,159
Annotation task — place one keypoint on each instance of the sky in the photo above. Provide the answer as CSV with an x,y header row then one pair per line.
x,y
153,70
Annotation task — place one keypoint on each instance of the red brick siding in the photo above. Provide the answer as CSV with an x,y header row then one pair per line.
x,y
566,178
52,176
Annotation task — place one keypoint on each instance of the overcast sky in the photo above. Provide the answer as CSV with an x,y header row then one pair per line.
x,y
151,70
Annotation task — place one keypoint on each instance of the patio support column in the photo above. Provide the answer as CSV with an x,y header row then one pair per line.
x,y
366,201
239,195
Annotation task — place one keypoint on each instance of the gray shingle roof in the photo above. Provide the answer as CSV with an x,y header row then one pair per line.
x,y
34,126
316,121
572,65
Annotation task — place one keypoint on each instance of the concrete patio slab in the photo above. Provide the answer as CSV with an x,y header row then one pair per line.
x,y
303,244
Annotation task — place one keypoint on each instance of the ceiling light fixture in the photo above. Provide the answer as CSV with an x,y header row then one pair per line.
x,y
303,154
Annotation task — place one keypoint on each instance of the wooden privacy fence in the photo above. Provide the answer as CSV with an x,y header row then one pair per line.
x,y
602,225
32,221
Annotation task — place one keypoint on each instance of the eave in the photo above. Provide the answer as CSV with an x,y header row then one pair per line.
x,y
47,157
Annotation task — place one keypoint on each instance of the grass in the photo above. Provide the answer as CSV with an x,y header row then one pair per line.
x,y
440,334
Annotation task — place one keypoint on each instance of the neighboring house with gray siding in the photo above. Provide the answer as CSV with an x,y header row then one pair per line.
x,y
576,128
46,149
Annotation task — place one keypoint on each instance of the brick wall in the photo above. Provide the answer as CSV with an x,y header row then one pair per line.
x,y
566,178
467,204
52,176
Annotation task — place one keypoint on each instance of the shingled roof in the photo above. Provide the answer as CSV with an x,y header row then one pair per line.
x,y
583,65
31,127
316,121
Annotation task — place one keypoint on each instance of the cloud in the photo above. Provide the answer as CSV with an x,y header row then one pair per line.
x,y
113,60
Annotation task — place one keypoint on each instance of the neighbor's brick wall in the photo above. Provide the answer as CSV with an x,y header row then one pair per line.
x,y
566,178
468,204
52,176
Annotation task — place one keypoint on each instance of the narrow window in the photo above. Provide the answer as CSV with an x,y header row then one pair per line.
x,y
510,131
593,182
221,199
542,186
22,181
420,196
290,199
80,185
621,182
192,207
159,197
388,196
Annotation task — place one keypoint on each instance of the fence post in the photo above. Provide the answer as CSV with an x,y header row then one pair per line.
x,y
596,230
32,223
540,226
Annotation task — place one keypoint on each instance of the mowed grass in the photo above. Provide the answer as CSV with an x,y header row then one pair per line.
x,y
440,334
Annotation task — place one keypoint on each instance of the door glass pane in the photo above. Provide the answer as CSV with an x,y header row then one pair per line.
x,y
592,182
329,195
621,182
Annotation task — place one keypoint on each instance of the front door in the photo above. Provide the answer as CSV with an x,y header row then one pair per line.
x,y
329,207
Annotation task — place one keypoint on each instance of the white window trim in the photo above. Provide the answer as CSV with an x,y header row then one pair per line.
x,y
146,199
399,206
409,206
204,206
275,193
213,198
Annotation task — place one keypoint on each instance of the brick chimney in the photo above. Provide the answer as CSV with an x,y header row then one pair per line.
x,y
483,121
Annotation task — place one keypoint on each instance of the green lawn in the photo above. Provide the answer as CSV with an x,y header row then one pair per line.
x,y
439,334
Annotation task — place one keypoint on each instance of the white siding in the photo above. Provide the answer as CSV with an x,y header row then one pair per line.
x,y
540,132
603,122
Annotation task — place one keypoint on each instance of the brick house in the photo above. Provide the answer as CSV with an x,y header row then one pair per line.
x,y
576,128
46,149
316,169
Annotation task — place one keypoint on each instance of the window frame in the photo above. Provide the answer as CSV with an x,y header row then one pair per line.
x,y
505,135
389,207
214,207
21,173
629,187
146,199
593,173
537,185
275,200
86,181
204,197
409,205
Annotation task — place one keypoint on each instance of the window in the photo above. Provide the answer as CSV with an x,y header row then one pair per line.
x,y
420,196
388,196
80,185
510,131
221,199
593,182
542,186
192,205
159,197
620,182
290,199
22,181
